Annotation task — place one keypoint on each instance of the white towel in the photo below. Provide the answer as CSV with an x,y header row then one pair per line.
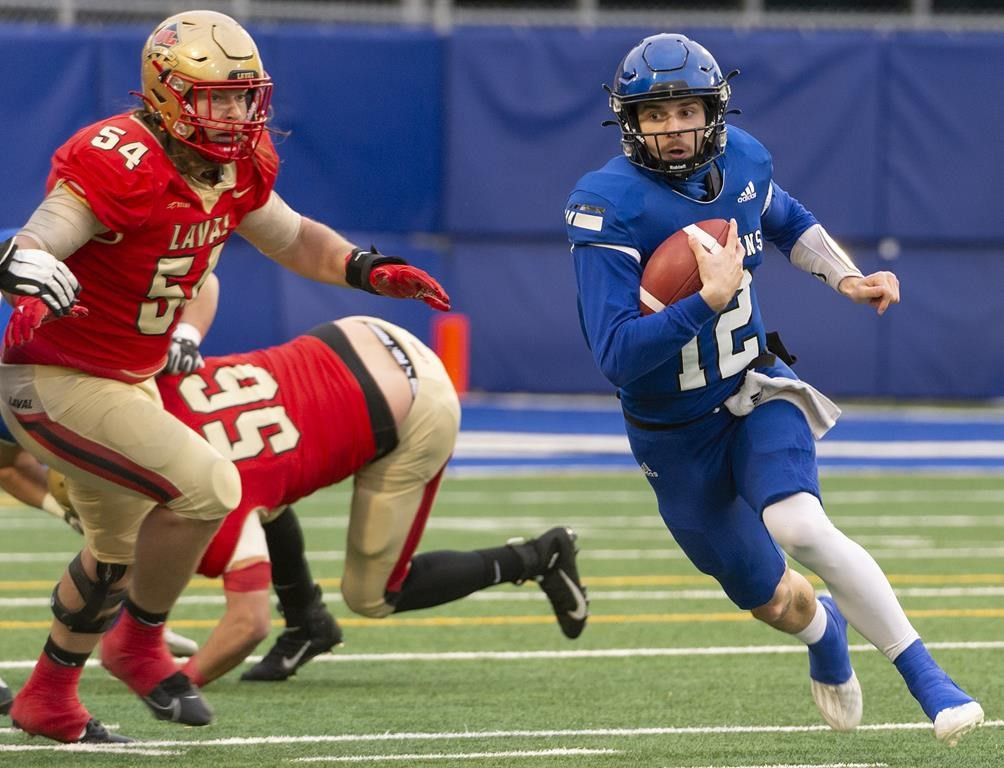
x,y
821,412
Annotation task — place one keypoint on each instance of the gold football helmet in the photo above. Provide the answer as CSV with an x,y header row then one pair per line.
x,y
203,76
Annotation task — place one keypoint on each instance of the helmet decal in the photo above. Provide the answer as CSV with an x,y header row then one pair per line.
x,y
166,36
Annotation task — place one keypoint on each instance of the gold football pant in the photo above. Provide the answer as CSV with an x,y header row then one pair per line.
x,y
392,496
121,452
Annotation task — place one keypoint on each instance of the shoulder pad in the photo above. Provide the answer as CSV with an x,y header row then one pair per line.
x,y
601,209
748,148
118,167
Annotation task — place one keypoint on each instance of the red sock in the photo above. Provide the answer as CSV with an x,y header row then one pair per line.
x,y
191,671
48,705
136,653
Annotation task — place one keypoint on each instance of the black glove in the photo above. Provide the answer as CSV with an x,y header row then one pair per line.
x,y
31,272
183,355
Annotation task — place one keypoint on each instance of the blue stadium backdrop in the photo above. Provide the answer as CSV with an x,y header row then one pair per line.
x,y
458,151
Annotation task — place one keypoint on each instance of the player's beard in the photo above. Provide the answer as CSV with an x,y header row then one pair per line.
x,y
189,162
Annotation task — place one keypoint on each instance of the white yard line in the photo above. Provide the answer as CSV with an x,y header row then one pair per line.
x,y
458,755
607,653
104,749
898,552
495,444
645,496
803,765
930,553
425,736
596,595
618,653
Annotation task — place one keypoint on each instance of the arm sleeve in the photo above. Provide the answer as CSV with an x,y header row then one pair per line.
x,y
818,254
62,223
624,344
272,227
784,219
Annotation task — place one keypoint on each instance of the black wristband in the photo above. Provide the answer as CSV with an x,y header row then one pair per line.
x,y
360,263
7,251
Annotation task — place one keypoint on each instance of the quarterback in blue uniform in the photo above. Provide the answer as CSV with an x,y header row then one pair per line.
x,y
722,428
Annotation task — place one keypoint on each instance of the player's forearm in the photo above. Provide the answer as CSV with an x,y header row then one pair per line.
x,y
201,311
626,345
818,254
318,253
244,624
639,345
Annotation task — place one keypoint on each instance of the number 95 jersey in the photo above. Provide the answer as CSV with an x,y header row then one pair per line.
x,y
293,418
165,234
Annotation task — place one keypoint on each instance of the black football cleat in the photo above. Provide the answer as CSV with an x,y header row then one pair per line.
x,y
318,633
175,699
96,733
550,561
6,697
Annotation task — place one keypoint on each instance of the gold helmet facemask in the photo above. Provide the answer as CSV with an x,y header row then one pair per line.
x,y
203,76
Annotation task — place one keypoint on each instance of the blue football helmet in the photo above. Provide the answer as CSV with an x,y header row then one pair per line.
x,y
669,66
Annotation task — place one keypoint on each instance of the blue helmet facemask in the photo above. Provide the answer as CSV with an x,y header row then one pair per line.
x,y
669,66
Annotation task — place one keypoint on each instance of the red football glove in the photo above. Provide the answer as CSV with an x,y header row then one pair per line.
x,y
403,281
30,313
392,276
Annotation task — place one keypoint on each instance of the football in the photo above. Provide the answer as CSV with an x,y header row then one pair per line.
x,y
671,272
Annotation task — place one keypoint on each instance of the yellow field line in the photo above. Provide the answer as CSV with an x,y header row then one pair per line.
x,y
612,581
481,621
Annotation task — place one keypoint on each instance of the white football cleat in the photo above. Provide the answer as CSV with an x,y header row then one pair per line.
x,y
953,723
840,705
179,645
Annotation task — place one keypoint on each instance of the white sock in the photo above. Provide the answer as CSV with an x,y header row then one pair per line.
x,y
53,507
817,627
863,593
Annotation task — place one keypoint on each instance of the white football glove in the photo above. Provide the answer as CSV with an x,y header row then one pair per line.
x,y
183,355
31,272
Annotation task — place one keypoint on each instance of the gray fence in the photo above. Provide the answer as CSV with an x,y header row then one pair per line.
x,y
443,14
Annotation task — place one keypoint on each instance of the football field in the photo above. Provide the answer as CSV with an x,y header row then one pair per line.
x,y
667,673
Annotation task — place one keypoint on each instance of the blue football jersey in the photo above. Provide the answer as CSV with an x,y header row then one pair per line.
x,y
680,363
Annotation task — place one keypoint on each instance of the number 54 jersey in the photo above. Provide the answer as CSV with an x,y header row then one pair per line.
x,y
164,235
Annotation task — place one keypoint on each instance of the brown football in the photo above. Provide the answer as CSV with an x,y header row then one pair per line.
x,y
671,272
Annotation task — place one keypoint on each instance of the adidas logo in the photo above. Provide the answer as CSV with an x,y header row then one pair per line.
x,y
648,472
747,194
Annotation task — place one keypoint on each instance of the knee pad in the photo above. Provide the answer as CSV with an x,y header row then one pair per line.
x,y
799,525
227,485
100,600
217,496
372,605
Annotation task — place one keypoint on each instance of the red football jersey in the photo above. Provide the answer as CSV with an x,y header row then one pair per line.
x,y
292,418
162,244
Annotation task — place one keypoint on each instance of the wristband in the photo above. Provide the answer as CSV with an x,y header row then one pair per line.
x,y
187,332
360,263
7,251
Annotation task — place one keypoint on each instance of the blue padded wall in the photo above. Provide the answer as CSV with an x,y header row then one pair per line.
x,y
458,151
